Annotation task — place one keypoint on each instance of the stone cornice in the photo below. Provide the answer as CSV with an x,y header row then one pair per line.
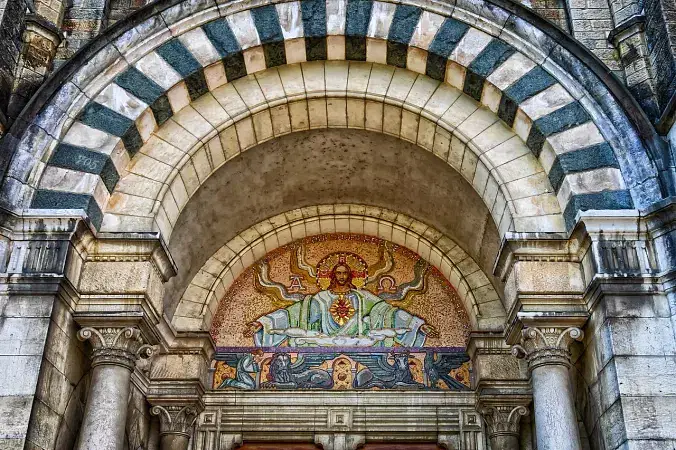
x,y
175,392
487,343
549,247
623,31
132,247
660,218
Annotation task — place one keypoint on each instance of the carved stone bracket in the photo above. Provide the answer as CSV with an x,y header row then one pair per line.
x,y
340,441
121,346
175,419
503,420
546,345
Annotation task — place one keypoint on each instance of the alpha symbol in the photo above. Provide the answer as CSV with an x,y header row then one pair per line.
x,y
296,283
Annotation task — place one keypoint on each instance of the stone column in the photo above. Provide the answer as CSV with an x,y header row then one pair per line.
x,y
116,350
547,352
502,425
176,422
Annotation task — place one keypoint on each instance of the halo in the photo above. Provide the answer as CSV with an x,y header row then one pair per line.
x,y
354,261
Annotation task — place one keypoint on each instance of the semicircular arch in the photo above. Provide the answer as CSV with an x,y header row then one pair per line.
x,y
185,151
157,68
200,300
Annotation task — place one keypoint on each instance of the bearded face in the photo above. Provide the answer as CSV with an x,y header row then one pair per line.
x,y
341,276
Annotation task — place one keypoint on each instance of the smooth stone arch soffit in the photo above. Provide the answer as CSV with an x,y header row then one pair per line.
x,y
326,167
176,52
199,302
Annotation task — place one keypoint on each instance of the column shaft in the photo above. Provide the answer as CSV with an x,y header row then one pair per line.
x,y
504,443
555,420
106,411
115,351
547,351
174,442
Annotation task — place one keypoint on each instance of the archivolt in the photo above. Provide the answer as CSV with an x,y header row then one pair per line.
x,y
178,158
110,107
199,301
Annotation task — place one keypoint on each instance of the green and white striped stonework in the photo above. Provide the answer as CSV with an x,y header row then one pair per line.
x,y
144,123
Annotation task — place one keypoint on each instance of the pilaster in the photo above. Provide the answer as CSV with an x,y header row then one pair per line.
x,y
34,304
628,37
628,350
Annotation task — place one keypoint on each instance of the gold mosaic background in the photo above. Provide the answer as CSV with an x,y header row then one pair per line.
x,y
440,305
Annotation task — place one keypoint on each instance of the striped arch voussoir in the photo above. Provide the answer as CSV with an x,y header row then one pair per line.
x,y
154,71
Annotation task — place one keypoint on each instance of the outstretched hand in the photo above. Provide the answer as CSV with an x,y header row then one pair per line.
x,y
429,331
252,328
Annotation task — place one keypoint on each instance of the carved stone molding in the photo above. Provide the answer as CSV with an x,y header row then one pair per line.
x,y
546,345
340,441
121,346
175,419
503,420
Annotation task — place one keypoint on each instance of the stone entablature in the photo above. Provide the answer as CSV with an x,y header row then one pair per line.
x,y
445,418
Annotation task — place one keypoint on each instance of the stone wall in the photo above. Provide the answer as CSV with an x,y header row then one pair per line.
x,y
24,323
12,15
626,391
660,29
61,391
592,22
83,20
119,9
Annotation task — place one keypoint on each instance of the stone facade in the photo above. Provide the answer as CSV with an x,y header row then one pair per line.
x,y
202,162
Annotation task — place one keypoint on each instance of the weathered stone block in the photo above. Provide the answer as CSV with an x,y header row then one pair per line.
x,y
115,277
45,426
14,413
19,374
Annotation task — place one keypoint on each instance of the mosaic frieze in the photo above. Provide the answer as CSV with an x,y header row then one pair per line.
x,y
342,369
341,311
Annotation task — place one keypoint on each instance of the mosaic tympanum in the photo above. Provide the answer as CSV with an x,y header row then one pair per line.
x,y
341,311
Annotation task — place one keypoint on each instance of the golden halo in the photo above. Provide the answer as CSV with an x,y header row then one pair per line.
x,y
354,261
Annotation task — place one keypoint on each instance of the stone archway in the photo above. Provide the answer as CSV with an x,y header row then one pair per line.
x,y
149,156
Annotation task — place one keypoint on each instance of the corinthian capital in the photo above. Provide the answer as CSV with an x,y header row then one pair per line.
x,y
546,345
503,420
121,346
175,419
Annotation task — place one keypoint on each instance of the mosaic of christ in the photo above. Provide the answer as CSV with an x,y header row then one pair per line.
x,y
341,290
